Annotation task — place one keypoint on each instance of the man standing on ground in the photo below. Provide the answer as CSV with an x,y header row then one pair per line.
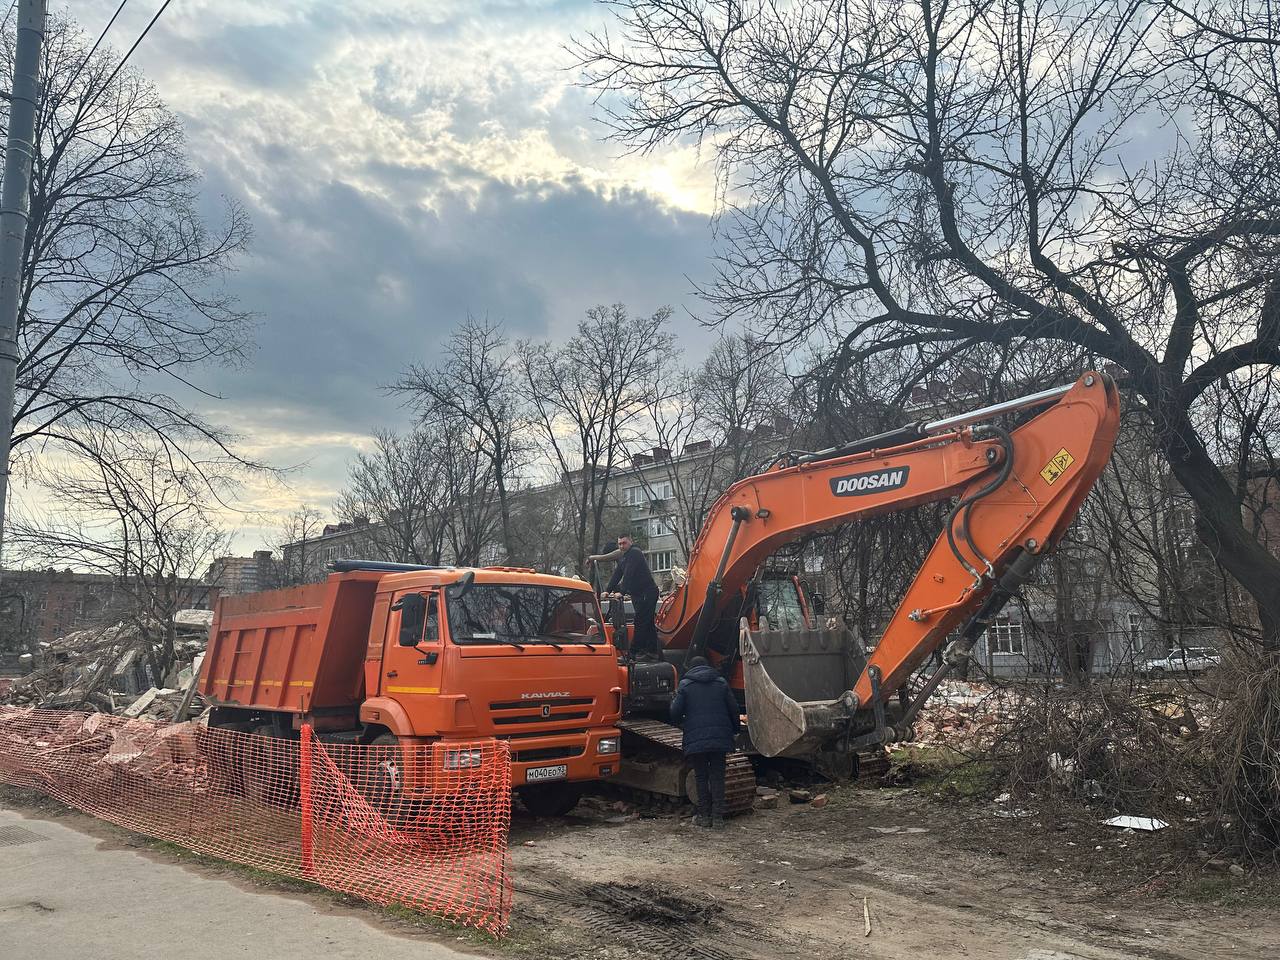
x,y
708,711
632,574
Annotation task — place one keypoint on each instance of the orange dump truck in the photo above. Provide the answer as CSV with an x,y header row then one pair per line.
x,y
388,653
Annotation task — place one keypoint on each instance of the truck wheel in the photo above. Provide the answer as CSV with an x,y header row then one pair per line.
x,y
550,799
270,769
383,787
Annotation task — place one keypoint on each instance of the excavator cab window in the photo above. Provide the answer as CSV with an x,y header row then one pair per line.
x,y
778,602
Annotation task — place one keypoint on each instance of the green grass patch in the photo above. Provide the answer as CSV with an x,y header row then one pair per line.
x,y
944,773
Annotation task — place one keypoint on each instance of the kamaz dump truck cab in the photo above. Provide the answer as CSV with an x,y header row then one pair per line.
x,y
383,653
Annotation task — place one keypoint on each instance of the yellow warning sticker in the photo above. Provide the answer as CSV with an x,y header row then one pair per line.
x,y
1057,466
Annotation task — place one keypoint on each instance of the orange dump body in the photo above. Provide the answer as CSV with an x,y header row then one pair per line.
x,y
298,649
329,654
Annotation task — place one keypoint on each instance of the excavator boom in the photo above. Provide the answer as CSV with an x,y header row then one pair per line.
x,y
1016,493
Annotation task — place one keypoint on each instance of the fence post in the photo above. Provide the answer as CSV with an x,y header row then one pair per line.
x,y
304,790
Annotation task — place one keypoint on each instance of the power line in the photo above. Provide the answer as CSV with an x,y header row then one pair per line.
x,y
125,59
101,37
141,37
94,49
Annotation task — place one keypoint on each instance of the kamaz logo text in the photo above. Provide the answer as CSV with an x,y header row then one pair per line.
x,y
543,696
861,483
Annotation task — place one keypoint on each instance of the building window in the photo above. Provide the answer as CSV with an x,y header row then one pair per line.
x,y
661,526
660,561
1005,636
330,554
634,496
662,490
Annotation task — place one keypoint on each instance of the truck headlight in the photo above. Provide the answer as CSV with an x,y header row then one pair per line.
x,y
463,759
607,745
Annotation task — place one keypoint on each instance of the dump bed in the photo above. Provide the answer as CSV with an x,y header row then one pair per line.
x,y
298,649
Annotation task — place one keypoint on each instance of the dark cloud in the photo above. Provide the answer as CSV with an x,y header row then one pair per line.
x,y
351,286
379,223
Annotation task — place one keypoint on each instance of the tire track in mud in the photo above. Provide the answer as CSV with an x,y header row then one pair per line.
x,y
634,915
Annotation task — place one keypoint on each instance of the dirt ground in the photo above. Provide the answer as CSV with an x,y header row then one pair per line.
x,y
940,880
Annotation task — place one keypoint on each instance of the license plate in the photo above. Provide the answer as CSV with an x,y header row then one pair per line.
x,y
535,774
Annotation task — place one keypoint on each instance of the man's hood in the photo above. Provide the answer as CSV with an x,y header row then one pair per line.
x,y
704,673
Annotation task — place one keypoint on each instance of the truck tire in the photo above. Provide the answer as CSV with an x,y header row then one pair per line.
x,y
270,769
550,799
384,787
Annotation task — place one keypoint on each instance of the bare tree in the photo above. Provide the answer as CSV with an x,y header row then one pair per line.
x,y
475,387
589,399
296,555
120,294
1091,178
401,489
720,423
473,508
134,515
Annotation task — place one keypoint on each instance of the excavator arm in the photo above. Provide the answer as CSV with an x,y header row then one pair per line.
x,y
1016,493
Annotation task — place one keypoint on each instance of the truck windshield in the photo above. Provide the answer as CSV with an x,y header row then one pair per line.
x,y
506,612
779,604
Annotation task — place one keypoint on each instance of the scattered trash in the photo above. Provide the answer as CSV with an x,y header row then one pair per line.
x,y
1064,768
1237,870
1011,814
800,796
897,829
1147,824
866,918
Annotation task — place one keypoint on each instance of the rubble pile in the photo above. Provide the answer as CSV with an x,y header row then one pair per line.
x,y
36,742
963,714
107,670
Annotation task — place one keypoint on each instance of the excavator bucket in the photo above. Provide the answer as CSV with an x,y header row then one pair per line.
x,y
795,680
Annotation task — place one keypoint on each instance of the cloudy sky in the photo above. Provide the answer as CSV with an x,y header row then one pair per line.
x,y
405,162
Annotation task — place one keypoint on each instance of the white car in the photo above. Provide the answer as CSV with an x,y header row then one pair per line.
x,y
1182,660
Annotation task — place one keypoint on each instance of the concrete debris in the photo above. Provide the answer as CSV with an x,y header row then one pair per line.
x,y
767,803
110,670
799,796
819,801
961,714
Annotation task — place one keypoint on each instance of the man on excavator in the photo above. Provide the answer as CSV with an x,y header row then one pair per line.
x,y
632,574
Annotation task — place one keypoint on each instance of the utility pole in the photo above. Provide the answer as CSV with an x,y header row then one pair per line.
x,y
14,201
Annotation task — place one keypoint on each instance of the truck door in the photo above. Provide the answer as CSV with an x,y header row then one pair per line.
x,y
414,655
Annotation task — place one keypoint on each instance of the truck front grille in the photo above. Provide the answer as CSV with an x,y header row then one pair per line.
x,y
557,710
548,753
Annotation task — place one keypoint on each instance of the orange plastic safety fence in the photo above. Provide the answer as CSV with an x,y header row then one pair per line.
x,y
425,826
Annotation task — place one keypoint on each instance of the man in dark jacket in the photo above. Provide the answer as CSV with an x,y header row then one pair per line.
x,y
632,574
708,711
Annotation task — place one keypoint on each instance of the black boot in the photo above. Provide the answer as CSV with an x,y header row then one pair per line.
x,y
717,816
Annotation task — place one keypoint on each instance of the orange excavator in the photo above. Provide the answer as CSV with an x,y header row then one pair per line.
x,y
817,689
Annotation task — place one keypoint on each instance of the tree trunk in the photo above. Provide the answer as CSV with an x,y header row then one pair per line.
x,y
1219,523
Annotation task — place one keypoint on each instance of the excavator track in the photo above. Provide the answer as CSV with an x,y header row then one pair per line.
x,y
662,777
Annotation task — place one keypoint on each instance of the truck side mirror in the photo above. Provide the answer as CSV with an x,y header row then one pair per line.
x,y
413,618
459,589
818,602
